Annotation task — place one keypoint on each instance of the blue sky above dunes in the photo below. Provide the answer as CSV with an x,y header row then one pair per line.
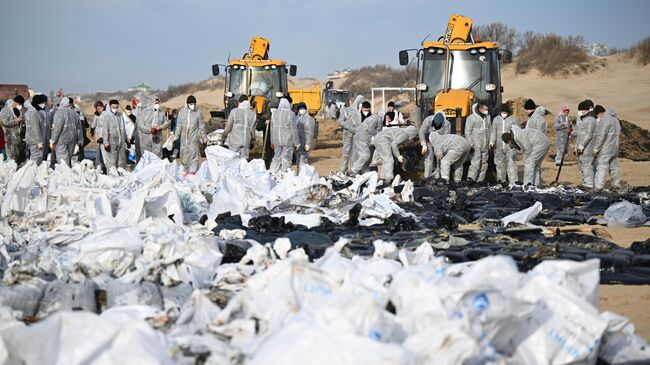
x,y
89,45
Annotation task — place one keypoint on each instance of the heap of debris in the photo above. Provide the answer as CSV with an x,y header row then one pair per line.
x,y
232,264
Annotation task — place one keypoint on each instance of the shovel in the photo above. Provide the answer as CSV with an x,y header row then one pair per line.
x,y
266,137
557,177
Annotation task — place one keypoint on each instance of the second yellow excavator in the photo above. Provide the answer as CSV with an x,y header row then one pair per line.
x,y
456,71
262,80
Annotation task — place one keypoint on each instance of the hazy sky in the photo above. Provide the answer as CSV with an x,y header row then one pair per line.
x,y
90,45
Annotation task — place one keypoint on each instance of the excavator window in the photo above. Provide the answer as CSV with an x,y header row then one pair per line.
x,y
342,96
467,70
237,81
266,81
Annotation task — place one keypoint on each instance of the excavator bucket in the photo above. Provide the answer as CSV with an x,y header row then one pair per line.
x,y
259,49
458,29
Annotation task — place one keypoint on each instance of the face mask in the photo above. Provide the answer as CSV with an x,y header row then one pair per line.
x,y
483,112
114,111
302,111
19,107
156,106
504,115
582,112
41,105
365,112
128,112
191,106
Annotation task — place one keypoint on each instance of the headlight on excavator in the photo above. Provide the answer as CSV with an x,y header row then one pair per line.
x,y
421,87
229,94
279,94
490,87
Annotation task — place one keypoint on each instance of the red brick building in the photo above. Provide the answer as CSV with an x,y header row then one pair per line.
x,y
8,91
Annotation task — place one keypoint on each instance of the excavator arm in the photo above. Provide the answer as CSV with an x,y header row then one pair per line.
x,y
258,50
459,28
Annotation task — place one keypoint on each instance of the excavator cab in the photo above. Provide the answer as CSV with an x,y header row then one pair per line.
x,y
262,80
455,72
336,96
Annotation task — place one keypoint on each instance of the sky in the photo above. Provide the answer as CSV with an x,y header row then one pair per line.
x,y
106,45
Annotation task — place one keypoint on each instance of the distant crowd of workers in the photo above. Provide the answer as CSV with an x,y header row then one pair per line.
x,y
596,134
34,129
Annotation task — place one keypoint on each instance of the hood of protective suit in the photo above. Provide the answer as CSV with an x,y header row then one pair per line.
x,y
474,106
411,132
65,101
356,102
433,136
539,111
284,104
245,104
475,111
611,113
443,116
148,101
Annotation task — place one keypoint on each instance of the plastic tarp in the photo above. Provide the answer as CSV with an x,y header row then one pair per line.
x,y
625,214
524,216
117,336
130,245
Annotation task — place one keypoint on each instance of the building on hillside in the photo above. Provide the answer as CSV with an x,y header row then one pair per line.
x,y
338,74
144,87
596,49
9,91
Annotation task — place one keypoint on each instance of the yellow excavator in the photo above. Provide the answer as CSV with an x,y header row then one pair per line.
x,y
457,71
262,80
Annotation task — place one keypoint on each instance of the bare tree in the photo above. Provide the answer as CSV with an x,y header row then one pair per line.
x,y
497,32
549,53
641,52
361,80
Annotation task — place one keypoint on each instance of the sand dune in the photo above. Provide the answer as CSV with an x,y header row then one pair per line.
x,y
622,85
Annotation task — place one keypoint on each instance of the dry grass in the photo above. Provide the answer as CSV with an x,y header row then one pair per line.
x,y
361,80
551,54
191,87
497,32
164,95
641,52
